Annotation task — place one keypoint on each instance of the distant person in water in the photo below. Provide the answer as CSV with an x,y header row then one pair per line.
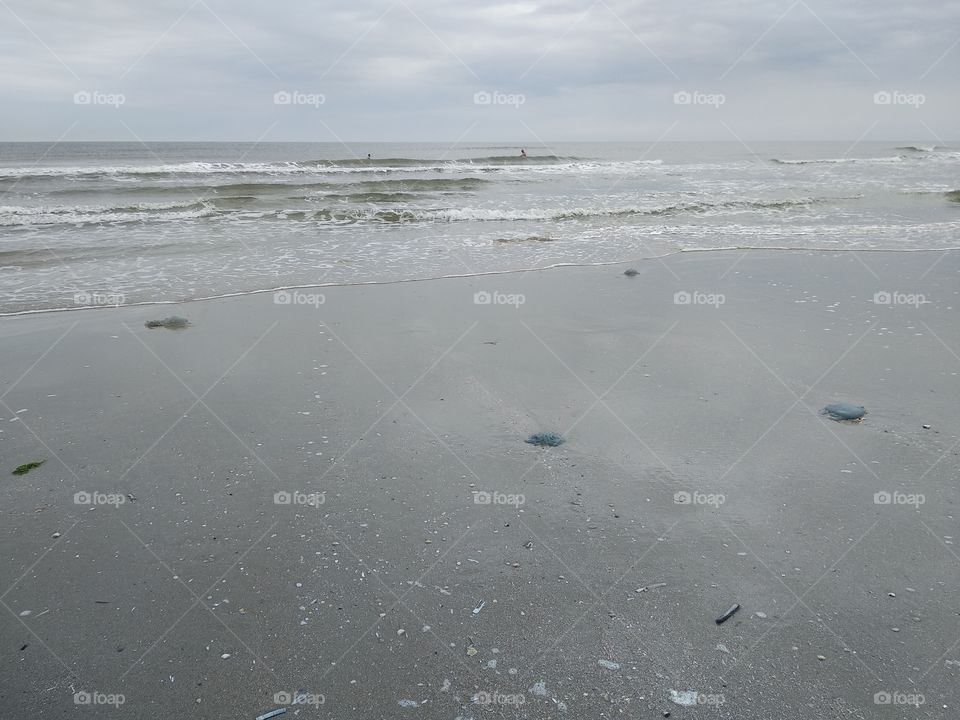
x,y
523,152
368,156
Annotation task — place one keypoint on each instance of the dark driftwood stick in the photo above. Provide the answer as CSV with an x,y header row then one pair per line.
x,y
728,614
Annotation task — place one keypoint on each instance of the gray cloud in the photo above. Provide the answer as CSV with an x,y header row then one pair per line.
x,y
409,70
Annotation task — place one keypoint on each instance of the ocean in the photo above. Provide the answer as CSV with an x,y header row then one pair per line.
x,y
90,224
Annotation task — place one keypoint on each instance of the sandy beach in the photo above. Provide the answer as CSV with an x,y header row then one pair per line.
x,y
329,498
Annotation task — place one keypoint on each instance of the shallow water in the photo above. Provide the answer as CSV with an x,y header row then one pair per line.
x,y
183,220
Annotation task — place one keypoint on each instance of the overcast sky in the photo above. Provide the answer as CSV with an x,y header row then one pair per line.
x,y
479,70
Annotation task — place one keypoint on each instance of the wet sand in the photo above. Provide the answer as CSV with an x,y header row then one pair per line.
x,y
421,527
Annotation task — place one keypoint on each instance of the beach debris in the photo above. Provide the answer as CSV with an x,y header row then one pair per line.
x,y
545,439
539,688
27,467
271,714
401,632
528,544
684,698
408,703
761,615
609,665
471,651
224,656
723,648
631,272
479,607
650,587
844,412
56,534
728,614
925,426
173,322
821,658
26,613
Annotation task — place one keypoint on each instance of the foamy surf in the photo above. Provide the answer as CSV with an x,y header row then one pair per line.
x,y
219,219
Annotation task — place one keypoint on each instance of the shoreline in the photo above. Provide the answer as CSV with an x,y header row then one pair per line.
x,y
555,266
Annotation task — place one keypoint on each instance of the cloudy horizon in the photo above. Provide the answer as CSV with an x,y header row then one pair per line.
x,y
525,72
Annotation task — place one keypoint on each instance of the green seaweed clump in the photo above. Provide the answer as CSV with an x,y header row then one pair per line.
x,y
27,467
170,323
545,439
